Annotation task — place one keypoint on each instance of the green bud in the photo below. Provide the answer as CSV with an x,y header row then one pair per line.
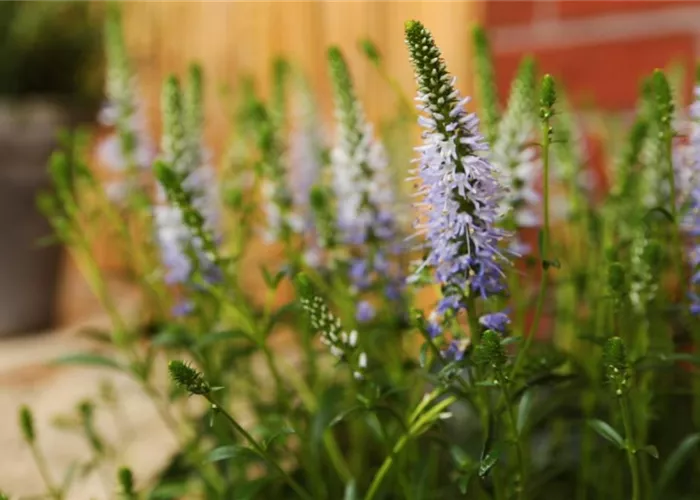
x,y
548,97
653,254
490,351
188,378
615,365
318,198
370,50
165,175
343,89
193,106
26,424
126,482
173,138
303,285
663,109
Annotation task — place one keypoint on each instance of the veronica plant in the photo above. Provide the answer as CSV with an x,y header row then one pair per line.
x,y
363,189
525,381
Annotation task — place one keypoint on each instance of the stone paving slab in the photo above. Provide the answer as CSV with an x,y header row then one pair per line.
x,y
28,377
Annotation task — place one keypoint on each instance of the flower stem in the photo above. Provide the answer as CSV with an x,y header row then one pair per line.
x,y
419,424
53,492
298,489
630,448
518,444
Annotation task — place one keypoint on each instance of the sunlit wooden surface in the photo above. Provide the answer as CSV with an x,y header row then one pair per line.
x,y
232,39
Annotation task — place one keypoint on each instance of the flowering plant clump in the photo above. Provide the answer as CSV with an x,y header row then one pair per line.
x,y
557,367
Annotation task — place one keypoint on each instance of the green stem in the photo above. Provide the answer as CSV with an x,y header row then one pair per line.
x,y
54,492
630,448
522,465
544,251
299,490
418,425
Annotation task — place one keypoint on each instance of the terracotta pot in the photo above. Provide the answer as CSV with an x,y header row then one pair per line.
x,y
28,271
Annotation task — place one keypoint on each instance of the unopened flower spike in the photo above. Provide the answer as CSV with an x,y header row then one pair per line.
x,y
267,122
515,154
189,378
26,424
186,216
490,351
363,188
126,483
462,195
128,147
486,83
616,365
342,344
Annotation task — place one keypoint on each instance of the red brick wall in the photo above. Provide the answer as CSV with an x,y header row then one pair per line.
x,y
599,49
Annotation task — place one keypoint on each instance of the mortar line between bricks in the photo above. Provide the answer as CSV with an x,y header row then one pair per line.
x,y
595,30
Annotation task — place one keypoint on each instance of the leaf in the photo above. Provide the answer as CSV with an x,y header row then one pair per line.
x,y
490,452
651,450
463,481
283,433
232,452
524,409
173,337
660,210
488,461
214,337
169,491
607,432
350,491
88,359
511,340
343,415
423,355
675,461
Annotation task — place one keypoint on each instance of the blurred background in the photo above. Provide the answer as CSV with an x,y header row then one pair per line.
x,y
51,77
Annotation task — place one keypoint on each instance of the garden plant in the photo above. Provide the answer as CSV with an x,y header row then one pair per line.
x,y
522,334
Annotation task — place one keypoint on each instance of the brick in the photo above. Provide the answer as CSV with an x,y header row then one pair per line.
x,y
606,75
574,9
508,13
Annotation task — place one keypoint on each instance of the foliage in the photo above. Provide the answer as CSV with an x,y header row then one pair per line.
x,y
565,370
49,49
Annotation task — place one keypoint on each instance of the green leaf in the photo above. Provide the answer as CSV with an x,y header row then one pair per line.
x,y
88,359
675,461
343,415
350,491
524,409
230,452
463,481
423,355
651,450
488,461
607,432
283,433
169,491
511,340
173,336
214,337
